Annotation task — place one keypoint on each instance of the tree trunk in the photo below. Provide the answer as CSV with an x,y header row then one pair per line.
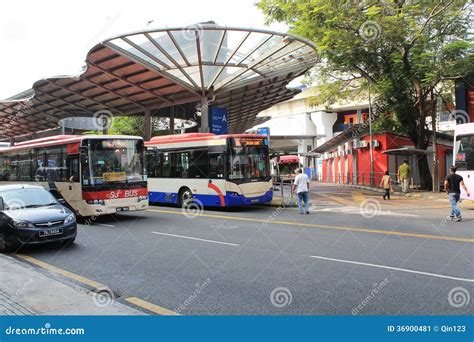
x,y
426,181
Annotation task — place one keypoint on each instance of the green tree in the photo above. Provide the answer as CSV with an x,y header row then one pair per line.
x,y
405,50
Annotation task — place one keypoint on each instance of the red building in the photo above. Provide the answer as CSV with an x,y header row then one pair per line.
x,y
346,157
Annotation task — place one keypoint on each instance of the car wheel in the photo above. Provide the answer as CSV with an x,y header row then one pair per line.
x,y
4,245
185,197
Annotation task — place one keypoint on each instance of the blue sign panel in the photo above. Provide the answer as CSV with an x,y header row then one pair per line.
x,y
218,120
264,131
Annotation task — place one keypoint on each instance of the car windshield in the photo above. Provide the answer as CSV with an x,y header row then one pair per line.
x,y
249,161
465,152
26,198
113,161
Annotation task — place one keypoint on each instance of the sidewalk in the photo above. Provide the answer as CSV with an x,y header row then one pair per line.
x,y
27,290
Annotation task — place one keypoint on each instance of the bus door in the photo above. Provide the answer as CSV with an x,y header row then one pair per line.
x,y
216,185
73,190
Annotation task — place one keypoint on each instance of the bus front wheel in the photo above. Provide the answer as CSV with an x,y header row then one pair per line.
x,y
185,196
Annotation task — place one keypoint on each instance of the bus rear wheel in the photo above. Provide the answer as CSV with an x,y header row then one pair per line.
x,y
185,197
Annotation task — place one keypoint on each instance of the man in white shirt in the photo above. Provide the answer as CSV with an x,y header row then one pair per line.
x,y
301,185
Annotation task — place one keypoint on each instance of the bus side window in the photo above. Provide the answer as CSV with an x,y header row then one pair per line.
x,y
73,168
166,164
216,166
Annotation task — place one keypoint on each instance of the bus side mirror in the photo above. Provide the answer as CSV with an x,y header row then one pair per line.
x,y
2,204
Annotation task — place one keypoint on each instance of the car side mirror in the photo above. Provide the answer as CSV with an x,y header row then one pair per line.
x,y
2,204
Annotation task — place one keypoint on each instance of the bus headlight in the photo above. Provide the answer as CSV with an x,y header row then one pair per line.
x,y
70,219
142,198
100,202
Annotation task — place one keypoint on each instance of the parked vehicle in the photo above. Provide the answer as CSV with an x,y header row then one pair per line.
x,y
284,167
31,215
95,174
218,170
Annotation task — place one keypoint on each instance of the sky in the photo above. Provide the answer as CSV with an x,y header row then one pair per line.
x,y
48,38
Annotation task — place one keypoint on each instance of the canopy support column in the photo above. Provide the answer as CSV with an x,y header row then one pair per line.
x,y
172,109
204,116
147,125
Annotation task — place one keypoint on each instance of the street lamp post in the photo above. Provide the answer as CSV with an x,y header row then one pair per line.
x,y
371,142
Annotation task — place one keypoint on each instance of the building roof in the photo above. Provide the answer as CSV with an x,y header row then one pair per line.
x,y
243,70
351,133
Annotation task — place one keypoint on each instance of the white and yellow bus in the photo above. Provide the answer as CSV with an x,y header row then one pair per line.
x,y
217,170
464,156
94,174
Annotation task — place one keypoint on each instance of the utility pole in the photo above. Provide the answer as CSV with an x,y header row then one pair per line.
x,y
372,183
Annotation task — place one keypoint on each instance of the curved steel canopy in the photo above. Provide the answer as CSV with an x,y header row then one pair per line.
x,y
243,70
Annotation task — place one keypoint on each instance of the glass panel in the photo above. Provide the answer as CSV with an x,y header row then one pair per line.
x,y
465,153
113,161
249,161
27,198
24,167
148,46
186,40
216,166
167,44
124,45
210,40
5,169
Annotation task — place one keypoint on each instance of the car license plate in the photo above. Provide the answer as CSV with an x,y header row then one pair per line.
x,y
50,232
122,209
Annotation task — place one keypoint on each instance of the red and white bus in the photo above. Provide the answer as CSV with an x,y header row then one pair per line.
x,y
94,174
284,167
215,170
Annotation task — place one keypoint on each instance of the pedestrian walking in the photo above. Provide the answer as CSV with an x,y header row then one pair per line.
x,y
404,172
452,186
301,185
386,183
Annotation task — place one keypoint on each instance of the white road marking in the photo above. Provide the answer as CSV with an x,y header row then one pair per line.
x,y
105,225
356,210
393,268
193,238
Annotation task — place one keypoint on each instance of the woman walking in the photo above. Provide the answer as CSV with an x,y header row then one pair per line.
x,y
386,183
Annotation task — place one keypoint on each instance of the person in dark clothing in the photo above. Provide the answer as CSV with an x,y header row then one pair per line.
x,y
452,185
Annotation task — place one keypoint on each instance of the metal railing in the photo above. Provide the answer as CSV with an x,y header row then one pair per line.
x,y
363,178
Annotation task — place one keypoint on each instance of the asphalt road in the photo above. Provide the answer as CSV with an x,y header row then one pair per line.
x,y
352,255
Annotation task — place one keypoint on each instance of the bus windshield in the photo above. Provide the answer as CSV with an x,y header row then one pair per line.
x,y
287,168
113,161
465,152
248,160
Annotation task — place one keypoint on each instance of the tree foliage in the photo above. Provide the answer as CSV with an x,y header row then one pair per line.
x,y
405,50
